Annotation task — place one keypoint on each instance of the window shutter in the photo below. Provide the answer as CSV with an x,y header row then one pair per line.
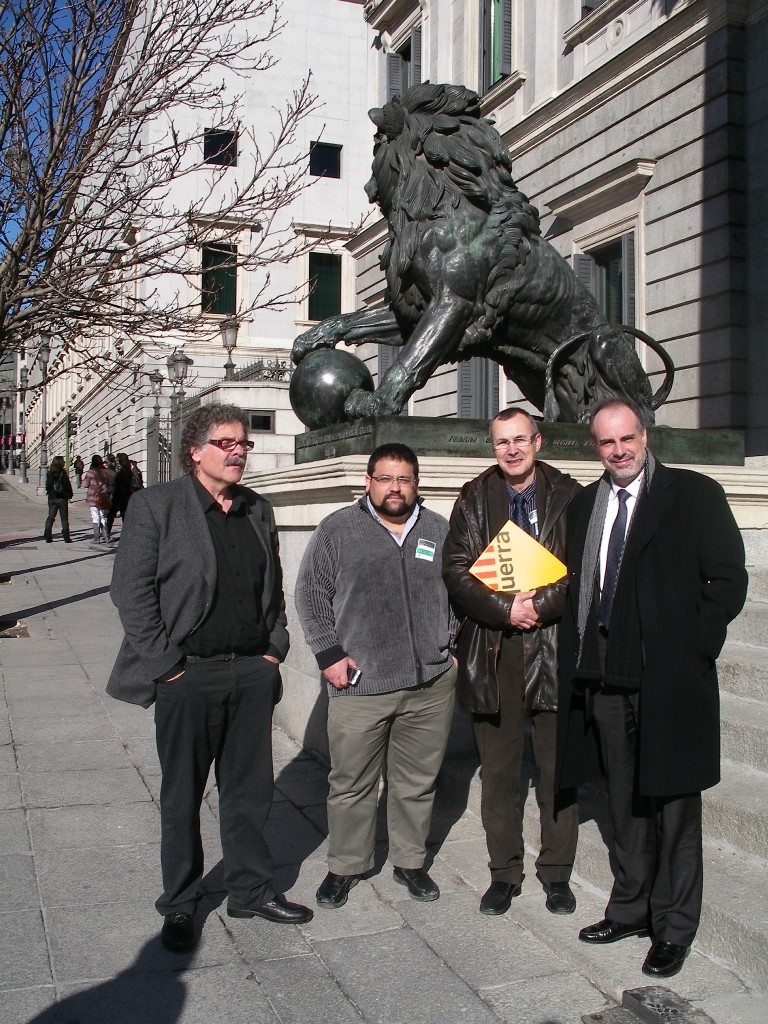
x,y
586,270
477,389
464,381
387,356
628,266
506,37
394,75
416,55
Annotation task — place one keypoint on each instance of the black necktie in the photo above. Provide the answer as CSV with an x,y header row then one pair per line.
x,y
519,517
613,559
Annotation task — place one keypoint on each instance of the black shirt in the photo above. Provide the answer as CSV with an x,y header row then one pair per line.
x,y
234,623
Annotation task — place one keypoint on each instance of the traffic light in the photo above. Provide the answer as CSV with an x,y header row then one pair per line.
x,y
73,424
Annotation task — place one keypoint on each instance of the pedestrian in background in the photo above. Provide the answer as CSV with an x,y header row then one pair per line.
x,y
121,491
59,491
79,467
97,498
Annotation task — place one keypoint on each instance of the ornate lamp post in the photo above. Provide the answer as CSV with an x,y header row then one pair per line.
x,y
5,451
178,365
23,379
229,341
153,450
43,355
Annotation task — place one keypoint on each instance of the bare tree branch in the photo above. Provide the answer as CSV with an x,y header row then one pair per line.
x,y
105,197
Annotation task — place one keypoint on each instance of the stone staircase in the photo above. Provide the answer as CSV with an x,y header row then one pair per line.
x,y
734,923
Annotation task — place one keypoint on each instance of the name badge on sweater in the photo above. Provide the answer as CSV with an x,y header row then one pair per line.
x,y
425,550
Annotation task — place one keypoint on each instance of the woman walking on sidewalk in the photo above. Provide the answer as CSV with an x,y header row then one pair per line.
x,y
97,481
59,491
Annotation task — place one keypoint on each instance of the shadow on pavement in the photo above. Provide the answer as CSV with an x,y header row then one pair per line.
x,y
139,993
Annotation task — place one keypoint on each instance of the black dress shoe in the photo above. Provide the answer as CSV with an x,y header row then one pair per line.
x,y
498,896
664,959
560,898
418,883
334,890
610,931
278,910
178,932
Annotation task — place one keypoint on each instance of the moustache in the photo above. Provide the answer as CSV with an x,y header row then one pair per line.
x,y
235,460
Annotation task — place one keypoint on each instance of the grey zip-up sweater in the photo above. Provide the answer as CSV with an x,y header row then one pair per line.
x,y
359,594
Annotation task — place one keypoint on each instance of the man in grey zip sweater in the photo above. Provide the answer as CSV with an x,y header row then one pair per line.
x,y
375,613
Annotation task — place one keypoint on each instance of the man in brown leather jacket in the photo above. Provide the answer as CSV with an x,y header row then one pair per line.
x,y
507,653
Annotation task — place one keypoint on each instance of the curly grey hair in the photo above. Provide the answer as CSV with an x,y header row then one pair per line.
x,y
197,429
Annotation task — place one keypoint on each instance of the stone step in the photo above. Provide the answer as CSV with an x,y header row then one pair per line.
x,y
751,625
743,670
735,812
744,731
734,923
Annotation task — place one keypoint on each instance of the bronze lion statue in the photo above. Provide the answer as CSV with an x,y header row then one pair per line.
x,y
468,273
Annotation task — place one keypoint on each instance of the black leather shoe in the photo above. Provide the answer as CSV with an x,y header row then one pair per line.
x,y
560,898
334,890
418,883
664,959
278,910
498,896
610,931
178,932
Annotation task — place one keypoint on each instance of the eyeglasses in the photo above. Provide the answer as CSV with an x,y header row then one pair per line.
x,y
403,481
514,442
228,444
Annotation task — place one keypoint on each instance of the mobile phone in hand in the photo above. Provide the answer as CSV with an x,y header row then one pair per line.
x,y
353,675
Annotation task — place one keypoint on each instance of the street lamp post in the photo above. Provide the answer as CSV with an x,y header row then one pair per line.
x,y
229,341
5,450
23,380
43,354
153,450
178,365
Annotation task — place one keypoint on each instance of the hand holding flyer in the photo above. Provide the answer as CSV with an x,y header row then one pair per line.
x,y
515,562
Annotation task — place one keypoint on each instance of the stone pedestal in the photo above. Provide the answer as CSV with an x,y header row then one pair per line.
x,y
303,495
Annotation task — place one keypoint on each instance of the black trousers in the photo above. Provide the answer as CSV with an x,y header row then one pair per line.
x,y
217,712
656,857
60,505
500,741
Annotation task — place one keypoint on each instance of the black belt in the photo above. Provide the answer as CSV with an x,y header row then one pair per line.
x,y
194,659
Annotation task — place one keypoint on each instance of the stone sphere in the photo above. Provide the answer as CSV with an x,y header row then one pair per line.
x,y
321,384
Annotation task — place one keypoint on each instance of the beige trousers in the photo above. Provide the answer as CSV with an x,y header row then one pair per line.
x,y
408,728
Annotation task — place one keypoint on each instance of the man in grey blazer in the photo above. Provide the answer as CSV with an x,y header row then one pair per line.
x,y
198,585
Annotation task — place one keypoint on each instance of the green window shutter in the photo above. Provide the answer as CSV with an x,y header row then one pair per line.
x,y
478,389
506,38
325,285
219,265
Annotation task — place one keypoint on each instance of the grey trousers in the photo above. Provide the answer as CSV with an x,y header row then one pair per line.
x,y
410,729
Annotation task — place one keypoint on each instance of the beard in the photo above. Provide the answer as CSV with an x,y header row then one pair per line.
x,y
394,505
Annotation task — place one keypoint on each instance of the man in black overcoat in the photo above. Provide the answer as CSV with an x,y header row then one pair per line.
x,y
198,585
656,573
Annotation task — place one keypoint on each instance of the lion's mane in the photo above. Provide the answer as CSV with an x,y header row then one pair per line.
x,y
434,151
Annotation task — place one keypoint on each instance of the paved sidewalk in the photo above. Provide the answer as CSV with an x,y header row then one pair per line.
x,y
79,864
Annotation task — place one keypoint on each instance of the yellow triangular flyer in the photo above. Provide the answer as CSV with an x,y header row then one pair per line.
x,y
515,562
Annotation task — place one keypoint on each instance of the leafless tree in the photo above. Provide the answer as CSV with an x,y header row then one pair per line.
x,y
104,193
